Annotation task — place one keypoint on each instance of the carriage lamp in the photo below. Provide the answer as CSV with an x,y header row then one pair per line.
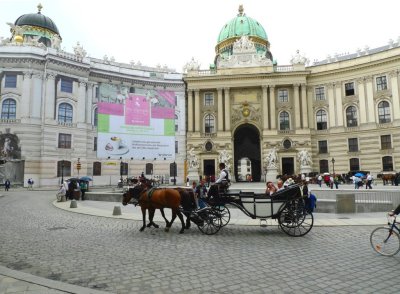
x,y
333,164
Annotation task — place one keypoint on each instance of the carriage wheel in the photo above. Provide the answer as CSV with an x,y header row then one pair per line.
x,y
211,223
294,219
224,213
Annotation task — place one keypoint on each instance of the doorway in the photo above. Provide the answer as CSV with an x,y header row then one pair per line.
x,y
287,166
247,147
209,169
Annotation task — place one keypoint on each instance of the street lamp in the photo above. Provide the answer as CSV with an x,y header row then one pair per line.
x,y
121,166
62,171
174,172
333,164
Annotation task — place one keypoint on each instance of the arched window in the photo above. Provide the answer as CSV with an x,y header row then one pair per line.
x,y
9,109
63,168
387,163
284,123
65,113
384,112
323,166
95,117
97,168
354,164
209,123
176,123
149,168
351,116
321,120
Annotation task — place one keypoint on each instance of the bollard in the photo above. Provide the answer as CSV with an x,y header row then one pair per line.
x,y
117,210
73,204
63,199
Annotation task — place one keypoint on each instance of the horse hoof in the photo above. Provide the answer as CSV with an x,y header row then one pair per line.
x,y
156,226
141,229
166,229
187,227
181,231
148,225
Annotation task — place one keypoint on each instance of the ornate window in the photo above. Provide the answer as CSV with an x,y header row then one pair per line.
x,y
381,83
209,124
63,168
10,81
320,93
66,85
351,116
349,89
9,109
387,163
65,113
208,99
323,166
283,95
208,146
321,120
284,122
64,141
287,144
354,164
323,147
386,142
384,112
97,168
353,144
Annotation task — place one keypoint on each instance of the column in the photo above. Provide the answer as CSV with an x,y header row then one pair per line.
x,y
304,110
339,105
220,111
197,110
361,99
36,105
395,94
272,106
190,110
297,109
265,107
370,100
50,98
26,95
89,101
331,103
310,99
81,102
227,110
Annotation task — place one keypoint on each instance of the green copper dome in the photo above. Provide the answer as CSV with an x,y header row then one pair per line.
x,y
38,20
242,25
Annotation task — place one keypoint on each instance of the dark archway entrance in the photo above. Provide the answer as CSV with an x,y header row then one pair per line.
x,y
247,148
287,166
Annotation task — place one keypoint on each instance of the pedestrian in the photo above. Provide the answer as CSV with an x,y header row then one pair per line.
x,y
336,181
369,182
271,189
83,187
201,194
319,180
7,185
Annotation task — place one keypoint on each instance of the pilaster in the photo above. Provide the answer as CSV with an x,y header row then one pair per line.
x,y
227,110
50,98
304,108
331,103
197,110
220,126
339,103
81,111
361,99
370,100
395,94
272,108
26,95
265,107
190,110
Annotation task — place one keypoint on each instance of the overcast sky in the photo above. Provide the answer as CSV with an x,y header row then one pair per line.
x,y
171,32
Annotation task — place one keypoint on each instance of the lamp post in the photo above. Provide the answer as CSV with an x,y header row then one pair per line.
x,y
62,171
121,167
333,164
174,172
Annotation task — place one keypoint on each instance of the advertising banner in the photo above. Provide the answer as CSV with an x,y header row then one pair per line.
x,y
138,125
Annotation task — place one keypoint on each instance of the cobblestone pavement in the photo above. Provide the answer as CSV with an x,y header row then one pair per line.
x,y
113,256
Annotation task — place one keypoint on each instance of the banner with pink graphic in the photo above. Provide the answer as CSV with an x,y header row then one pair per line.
x,y
137,110
110,108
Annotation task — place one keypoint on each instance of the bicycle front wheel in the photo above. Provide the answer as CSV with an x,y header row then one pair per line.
x,y
385,241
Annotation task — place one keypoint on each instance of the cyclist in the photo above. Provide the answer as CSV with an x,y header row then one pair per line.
x,y
396,211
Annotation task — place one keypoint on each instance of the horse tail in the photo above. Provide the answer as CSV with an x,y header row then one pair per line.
x,y
187,199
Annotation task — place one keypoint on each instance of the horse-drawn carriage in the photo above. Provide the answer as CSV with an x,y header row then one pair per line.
x,y
286,206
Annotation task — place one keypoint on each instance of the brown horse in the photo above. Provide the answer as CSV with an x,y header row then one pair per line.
x,y
152,199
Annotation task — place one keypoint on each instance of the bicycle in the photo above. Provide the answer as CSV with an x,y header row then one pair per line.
x,y
386,240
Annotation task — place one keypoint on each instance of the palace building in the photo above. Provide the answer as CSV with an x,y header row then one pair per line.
x,y
337,115
49,109
58,110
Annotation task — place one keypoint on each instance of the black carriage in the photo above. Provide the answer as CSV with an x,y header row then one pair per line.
x,y
287,206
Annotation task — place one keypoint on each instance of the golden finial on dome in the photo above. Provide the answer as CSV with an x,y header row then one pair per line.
x,y
241,10
39,7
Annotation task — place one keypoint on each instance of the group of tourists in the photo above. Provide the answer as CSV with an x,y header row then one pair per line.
x,y
70,189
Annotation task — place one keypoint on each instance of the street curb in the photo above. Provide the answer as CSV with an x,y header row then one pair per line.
x,y
56,285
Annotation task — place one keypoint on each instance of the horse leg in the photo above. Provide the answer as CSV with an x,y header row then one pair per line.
x,y
163,215
144,219
187,214
182,221
172,220
151,216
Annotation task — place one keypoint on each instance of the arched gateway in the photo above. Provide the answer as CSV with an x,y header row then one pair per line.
x,y
247,155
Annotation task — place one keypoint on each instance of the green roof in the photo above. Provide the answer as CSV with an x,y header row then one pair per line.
x,y
37,19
